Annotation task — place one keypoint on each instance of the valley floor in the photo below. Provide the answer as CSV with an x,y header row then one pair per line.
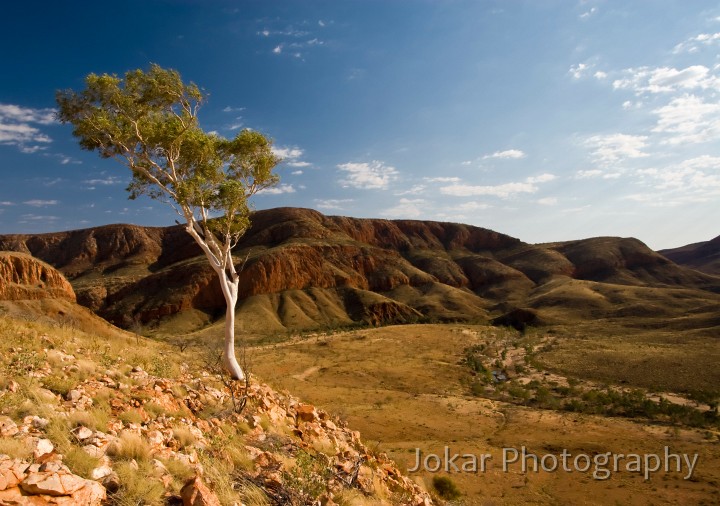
x,y
409,387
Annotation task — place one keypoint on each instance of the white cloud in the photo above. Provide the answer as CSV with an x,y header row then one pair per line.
x,y
106,181
588,174
287,153
608,149
442,179
321,23
548,201
472,206
278,49
542,178
18,127
600,75
580,70
373,175
19,114
332,203
466,162
232,109
688,119
6,203
36,217
406,208
40,203
507,154
277,190
414,190
588,14
299,164
503,190
693,44
297,173
666,79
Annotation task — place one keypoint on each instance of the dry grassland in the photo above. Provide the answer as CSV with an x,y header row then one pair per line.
x,y
406,387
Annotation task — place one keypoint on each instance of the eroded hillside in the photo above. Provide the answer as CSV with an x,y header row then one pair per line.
x,y
302,269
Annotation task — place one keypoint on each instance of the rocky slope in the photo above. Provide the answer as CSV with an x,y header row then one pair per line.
x,y
132,421
25,277
702,256
306,270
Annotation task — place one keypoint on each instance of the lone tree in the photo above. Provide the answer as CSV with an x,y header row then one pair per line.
x,y
148,122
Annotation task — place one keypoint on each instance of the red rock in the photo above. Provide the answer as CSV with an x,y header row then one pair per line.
x,y
12,472
306,412
196,493
27,277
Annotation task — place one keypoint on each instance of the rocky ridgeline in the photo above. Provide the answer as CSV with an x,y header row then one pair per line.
x,y
293,452
25,277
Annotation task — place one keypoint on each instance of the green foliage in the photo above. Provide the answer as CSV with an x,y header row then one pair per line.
x,y
148,121
446,488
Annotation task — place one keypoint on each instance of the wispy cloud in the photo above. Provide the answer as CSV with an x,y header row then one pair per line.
x,y
21,114
40,203
25,218
548,201
694,44
278,190
502,191
291,41
609,149
368,176
413,190
18,127
666,79
580,70
589,13
299,164
406,208
688,119
468,207
91,184
287,153
337,204
442,179
507,154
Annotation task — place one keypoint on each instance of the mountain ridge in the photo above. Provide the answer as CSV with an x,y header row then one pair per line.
x,y
303,269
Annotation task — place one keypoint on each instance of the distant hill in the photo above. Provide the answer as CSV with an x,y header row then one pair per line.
x,y
302,269
702,256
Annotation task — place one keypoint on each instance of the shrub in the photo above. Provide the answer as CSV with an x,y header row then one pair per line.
x,y
446,488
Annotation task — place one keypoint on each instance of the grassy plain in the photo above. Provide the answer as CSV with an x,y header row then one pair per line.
x,y
407,387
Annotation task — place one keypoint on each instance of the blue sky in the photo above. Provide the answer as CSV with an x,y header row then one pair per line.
x,y
546,120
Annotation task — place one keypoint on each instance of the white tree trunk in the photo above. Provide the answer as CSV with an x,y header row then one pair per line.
x,y
220,260
230,290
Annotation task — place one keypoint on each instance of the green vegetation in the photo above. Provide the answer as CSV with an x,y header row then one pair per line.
x,y
446,488
484,359
148,122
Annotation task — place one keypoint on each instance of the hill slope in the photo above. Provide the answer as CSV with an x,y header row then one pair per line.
x,y
703,256
91,415
305,270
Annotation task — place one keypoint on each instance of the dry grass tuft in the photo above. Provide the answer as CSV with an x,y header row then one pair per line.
x,y
130,446
137,487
